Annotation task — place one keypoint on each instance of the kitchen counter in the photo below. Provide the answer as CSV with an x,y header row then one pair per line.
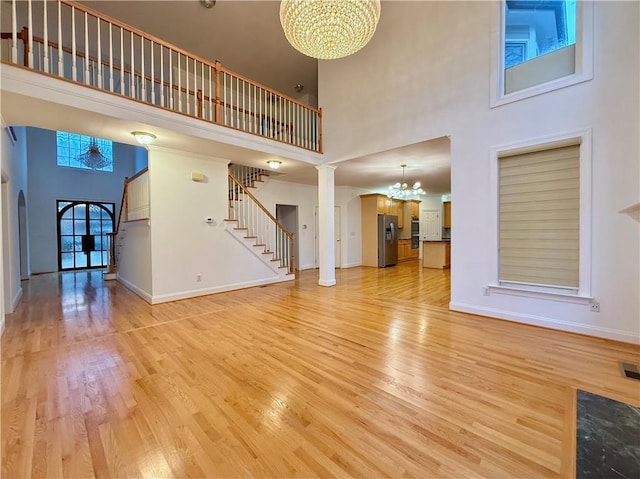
x,y
436,254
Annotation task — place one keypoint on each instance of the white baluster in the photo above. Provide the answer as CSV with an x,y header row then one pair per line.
x,y
30,23
110,57
74,65
179,85
162,103
224,95
143,80
153,68
122,61
210,94
99,65
171,79
46,37
86,48
60,51
204,113
14,33
132,92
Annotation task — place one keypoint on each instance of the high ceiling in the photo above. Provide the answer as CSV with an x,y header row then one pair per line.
x,y
247,38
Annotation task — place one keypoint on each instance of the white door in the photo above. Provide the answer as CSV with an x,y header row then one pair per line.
x,y
431,225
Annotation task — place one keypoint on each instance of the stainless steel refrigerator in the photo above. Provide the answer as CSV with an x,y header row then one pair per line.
x,y
387,240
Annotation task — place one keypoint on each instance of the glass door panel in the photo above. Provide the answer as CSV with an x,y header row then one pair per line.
x,y
82,229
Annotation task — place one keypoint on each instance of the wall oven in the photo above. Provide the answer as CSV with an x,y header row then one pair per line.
x,y
415,233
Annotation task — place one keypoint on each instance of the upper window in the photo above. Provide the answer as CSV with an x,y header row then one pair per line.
x,y
544,45
534,28
84,152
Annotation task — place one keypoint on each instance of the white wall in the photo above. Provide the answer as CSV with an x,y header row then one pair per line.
x,y
305,197
183,244
426,74
49,182
134,260
14,173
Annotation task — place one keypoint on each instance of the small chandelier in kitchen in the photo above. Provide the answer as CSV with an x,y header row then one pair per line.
x,y
402,190
329,29
93,157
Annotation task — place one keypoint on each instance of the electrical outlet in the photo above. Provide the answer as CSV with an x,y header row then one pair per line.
x,y
198,277
595,307
486,291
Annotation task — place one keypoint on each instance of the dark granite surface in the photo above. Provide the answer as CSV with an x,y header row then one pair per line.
x,y
608,438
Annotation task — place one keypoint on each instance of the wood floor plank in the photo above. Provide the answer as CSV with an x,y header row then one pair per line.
x,y
371,378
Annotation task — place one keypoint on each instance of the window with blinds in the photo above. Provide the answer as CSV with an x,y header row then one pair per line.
x,y
539,216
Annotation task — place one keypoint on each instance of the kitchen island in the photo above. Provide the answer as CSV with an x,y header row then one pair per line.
x,y
436,254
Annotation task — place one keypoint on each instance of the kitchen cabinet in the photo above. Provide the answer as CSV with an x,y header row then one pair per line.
x,y
446,207
436,254
387,206
405,252
415,208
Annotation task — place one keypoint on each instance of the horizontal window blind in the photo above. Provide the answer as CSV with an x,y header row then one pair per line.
x,y
539,195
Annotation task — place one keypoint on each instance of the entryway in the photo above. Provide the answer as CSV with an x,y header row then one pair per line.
x,y
82,234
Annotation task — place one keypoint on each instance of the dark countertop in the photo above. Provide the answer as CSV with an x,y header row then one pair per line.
x,y
437,241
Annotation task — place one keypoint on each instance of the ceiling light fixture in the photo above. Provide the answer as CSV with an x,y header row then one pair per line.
x,y
329,29
143,137
274,164
402,189
208,3
93,157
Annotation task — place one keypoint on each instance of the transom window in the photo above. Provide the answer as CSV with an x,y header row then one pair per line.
x,y
84,152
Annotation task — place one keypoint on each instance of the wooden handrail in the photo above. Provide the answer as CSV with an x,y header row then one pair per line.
x,y
83,8
260,205
139,173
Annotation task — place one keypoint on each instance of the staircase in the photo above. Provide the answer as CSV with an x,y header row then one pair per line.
x,y
254,226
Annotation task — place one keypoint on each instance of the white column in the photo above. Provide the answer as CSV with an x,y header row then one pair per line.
x,y
326,243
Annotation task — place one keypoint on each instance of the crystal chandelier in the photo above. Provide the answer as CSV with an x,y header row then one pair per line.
x,y
93,157
329,29
402,189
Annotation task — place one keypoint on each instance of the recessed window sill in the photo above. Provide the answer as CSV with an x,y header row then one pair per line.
x,y
564,297
540,89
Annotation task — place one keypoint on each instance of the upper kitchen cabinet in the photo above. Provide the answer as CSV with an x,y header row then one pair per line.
x,y
415,208
388,206
446,207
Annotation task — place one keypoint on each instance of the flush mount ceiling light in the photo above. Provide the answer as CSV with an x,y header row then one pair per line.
x,y
143,137
93,157
329,29
274,164
402,189
208,3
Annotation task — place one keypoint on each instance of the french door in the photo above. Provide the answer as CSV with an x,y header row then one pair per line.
x,y
82,234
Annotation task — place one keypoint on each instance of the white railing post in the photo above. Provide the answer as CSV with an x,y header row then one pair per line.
x,y
30,35
86,49
162,103
100,81
46,37
14,33
143,81
122,80
74,65
60,50
111,57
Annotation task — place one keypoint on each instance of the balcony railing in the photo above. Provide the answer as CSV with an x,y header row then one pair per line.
x,y
71,41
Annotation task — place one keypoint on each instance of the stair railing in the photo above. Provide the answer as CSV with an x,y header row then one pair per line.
x,y
134,206
69,40
260,224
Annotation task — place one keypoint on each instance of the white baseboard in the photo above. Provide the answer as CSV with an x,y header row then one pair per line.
x,y
324,282
164,298
352,265
1,326
589,330
16,299
139,291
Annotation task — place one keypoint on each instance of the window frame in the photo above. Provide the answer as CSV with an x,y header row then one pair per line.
x,y
83,168
584,292
583,57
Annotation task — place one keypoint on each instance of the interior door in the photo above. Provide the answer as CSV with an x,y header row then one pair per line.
x,y
431,225
82,234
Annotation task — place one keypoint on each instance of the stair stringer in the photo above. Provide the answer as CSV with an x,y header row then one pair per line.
x,y
258,251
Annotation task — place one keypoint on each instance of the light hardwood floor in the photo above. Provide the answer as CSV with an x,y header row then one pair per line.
x,y
371,378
